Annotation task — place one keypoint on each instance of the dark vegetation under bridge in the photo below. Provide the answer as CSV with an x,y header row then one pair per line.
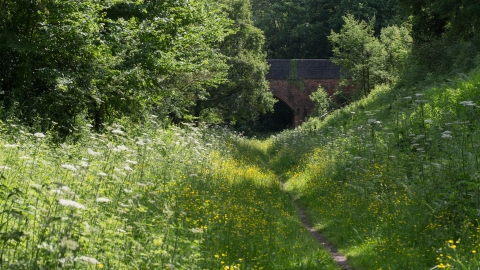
x,y
292,81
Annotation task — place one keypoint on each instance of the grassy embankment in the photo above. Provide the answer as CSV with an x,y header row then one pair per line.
x,y
145,198
393,180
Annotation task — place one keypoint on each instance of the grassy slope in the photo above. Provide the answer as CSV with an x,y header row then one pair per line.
x,y
146,198
393,179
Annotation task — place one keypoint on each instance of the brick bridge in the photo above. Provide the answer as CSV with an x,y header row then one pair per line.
x,y
292,81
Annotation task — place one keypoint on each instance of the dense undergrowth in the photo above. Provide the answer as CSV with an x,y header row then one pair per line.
x,y
393,180
145,197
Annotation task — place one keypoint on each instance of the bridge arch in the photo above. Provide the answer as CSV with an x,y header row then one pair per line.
x,y
293,81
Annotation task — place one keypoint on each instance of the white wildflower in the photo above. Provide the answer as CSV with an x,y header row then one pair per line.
x,y
71,203
467,103
102,200
68,243
89,259
102,174
196,230
121,230
46,246
140,142
2,167
128,190
447,135
128,168
118,132
421,101
10,145
132,162
371,120
84,164
122,148
69,167
93,153
39,135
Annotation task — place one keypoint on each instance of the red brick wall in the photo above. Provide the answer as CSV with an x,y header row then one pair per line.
x,y
296,94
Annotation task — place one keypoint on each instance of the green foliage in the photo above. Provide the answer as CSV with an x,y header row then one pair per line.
x,y
359,53
434,19
367,61
245,92
445,36
299,29
108,59
145,197
323,102
392,179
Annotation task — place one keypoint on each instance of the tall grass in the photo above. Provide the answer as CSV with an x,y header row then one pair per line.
x,y
394,179
145,197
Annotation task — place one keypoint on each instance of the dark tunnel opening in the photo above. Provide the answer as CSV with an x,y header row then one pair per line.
x,y
280,119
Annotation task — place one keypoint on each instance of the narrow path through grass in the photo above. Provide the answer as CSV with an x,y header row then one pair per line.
x,y
261,157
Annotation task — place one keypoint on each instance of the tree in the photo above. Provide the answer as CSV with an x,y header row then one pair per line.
x,y
299,29
107,59
359,53
397,42
433,19
245,93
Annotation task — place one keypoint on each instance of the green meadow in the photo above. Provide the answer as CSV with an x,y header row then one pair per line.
x,y
146,197
391,180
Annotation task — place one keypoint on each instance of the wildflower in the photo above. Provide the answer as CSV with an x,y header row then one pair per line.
x,y
5,168
453,246
10,145
197,230
101,174
131,162
69,167
39,135
102,200
122,148
93,153
128,168
216,256
447,135
128,190
89,260
371,120
118,132
71,203
421,101
467,103
69,244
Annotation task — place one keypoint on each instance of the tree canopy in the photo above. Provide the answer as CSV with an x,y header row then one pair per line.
x,y
299,29
101,60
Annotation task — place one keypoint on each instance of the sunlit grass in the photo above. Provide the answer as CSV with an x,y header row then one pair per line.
x,y
146,197
393,178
